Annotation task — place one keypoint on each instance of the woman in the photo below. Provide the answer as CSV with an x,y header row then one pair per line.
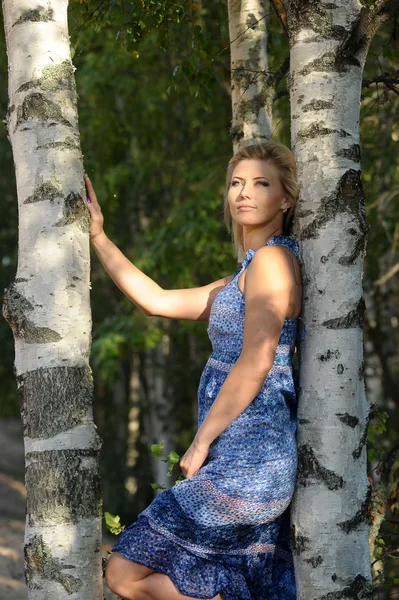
x,y
223,532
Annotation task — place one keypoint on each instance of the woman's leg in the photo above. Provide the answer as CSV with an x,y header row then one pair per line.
x,y
133,581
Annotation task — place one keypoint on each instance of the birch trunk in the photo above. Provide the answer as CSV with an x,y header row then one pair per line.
x,y
47,307
250,84
330,512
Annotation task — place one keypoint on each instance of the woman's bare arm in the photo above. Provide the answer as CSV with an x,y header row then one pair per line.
x,y
269,287
192,304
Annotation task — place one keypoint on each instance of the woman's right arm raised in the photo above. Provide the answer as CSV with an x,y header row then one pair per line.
x,y
193,304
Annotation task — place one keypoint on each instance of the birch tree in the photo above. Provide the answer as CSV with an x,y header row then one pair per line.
x,y
251,102
47,307
330,513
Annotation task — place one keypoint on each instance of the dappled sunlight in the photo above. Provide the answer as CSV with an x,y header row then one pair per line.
x,y
7,582
18,486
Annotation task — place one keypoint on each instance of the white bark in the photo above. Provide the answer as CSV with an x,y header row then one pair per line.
x,y
251,86
330,512
48,308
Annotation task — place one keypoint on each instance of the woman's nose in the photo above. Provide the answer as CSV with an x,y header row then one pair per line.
x,y
245,191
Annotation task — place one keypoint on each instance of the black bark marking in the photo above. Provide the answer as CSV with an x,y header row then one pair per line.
x,y
45,191
39,561
361,370
362,515
349,420
254,51
340,369
236,133
69,143
347,197
242,76
248,110
304,212
310,468
326,63
251,21
15,307
353,318
36,14
329,354
53,400
315,561
359,38
317,17
358,589
53,78
299,543
353,153
318,128
37,106
317,105
74,211
67,486
371,414
303,421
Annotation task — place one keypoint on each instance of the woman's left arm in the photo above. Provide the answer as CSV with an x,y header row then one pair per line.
x,y
269,283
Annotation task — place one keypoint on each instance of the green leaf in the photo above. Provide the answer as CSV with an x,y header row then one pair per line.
x,y
157,486
156,449
113,523
173,457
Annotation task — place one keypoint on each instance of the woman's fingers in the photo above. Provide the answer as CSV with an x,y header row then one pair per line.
x,y
96,217
90,190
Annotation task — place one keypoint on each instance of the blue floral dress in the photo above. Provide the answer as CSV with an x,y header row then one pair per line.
x,y
227,529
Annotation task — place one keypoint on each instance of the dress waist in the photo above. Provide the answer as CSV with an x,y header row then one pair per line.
x,y
223,360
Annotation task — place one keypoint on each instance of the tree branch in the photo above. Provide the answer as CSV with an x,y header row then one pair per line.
x,y
283,25
385,9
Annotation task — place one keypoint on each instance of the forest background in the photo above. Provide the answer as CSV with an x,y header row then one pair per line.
x,y
153,80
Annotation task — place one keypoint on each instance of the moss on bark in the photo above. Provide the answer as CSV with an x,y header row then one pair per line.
x,y
39,562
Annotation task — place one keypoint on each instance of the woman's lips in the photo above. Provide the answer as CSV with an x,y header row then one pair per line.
x,y
245,208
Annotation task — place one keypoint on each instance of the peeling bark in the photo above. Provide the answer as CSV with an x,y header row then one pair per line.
x,y
48,309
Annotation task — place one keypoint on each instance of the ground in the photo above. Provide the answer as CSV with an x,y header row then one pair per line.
x,y
12,514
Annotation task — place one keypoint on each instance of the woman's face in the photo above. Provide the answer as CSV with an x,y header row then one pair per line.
x,y
255,194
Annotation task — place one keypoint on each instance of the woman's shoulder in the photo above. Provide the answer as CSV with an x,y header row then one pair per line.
x,y
284,240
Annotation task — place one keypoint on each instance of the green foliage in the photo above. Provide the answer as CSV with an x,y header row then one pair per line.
x,y
157,449
113,523
176,28
116,337
376,428
172,458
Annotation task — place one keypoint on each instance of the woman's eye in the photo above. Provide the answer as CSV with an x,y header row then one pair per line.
x,y
234,182
264,183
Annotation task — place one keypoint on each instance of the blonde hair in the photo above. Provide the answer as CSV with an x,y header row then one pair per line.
x,y
284,160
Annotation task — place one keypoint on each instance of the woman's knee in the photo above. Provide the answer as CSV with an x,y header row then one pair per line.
x,y
113,573
122,573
